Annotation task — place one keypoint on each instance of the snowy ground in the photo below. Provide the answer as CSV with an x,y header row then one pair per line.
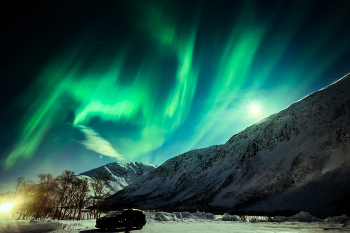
x,y
186,222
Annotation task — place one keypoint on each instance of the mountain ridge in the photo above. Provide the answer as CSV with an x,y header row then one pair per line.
x,y
271,165
118,175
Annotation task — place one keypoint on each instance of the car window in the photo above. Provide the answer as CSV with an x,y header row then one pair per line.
x,y
127,214
113,213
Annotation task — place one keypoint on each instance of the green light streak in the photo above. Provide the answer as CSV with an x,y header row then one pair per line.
x,y
179,101
126,94
238,55
105,96
284,37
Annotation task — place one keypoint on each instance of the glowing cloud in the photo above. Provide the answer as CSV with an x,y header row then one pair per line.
x,y
96,143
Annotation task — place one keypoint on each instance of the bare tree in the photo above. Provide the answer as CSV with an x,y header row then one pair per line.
x,y
64,197
82,189
26,190
19,183
44,197
64,192
100,192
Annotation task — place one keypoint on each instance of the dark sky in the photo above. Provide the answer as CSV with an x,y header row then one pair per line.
x,y
85,83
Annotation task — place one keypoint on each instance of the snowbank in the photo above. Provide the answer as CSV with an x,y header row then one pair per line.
x,y
346,224
279,219
338,219
254,220
202,215
189,217
13,226
304,217
227,217
186,216
178,216
300,217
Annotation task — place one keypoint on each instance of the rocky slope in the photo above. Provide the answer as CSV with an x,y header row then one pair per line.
x,y
118,175
297,159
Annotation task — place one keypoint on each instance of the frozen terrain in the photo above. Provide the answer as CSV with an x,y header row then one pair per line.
x,y
118,175
115,176
195,222
297,159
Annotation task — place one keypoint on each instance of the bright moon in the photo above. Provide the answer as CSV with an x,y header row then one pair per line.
x,y
254,109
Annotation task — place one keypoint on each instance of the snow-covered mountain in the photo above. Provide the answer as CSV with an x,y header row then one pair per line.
x,y
119,175
297,159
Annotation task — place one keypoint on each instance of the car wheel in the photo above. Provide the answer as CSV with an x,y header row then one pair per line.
x,y
139,225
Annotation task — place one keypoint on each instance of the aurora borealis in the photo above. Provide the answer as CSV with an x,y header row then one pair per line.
x,y
85,83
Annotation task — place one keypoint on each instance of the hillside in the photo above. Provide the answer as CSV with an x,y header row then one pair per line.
x,y
119,175
297,159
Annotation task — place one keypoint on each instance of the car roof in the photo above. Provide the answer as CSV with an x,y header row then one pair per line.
x,y
124,210
131,210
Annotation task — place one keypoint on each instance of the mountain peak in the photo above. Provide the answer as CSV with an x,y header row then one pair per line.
x,y
118,175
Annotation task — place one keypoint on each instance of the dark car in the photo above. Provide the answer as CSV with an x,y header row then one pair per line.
x,y
120,219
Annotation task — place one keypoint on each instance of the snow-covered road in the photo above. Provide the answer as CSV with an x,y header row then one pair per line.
x,y
177,227
186,222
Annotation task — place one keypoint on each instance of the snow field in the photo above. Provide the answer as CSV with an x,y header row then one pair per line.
x,y
240,227
191,222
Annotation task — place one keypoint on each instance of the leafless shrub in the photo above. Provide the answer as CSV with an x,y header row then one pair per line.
x,y
65,197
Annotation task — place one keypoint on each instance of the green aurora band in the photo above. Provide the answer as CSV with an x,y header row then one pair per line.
x,y
158,103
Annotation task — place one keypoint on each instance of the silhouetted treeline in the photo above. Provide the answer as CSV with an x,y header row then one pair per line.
x,y
65,197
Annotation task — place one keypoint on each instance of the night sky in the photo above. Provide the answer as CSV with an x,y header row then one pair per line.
x,y
85,83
